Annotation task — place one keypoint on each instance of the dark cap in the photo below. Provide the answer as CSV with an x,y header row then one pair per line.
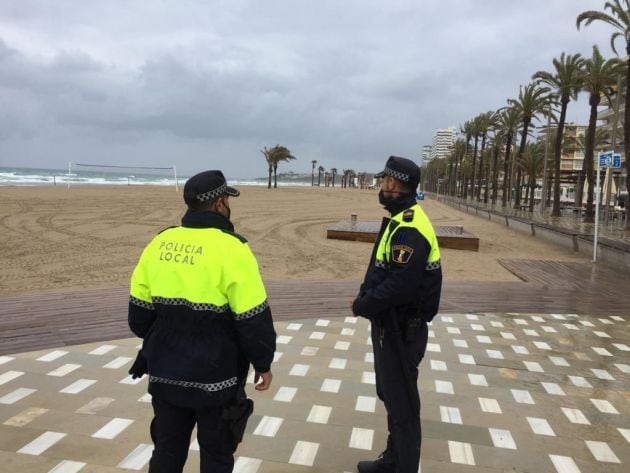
x,y
206,186
403,169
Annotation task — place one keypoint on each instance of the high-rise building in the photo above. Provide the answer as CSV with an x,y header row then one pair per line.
x,y
426,154
443,141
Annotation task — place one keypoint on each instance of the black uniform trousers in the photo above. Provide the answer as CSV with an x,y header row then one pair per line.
x,y
171,429
403,421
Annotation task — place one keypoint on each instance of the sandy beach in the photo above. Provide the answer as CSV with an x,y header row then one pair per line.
x,y
90,237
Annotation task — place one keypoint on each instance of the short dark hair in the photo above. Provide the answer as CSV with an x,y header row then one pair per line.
x,y
407,187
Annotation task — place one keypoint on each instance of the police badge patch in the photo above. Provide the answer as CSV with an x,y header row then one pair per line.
x,y
401,254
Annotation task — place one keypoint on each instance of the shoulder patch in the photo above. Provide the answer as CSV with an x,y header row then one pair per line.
x,y
408,215
401,254
167,228
241,238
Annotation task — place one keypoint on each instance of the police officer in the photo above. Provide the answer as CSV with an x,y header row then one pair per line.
x,y
400,294
199,303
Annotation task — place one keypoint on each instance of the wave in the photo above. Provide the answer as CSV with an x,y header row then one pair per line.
x,y
59,177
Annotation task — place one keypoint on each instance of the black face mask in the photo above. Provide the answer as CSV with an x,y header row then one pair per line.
x,y
394,204
382,199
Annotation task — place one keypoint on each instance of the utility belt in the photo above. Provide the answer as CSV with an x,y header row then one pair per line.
x,y
409,327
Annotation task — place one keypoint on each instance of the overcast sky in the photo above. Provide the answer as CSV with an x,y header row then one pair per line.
x,y
207,84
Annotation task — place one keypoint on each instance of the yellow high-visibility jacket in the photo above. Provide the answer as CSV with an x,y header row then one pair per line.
x,y
405,270
199,302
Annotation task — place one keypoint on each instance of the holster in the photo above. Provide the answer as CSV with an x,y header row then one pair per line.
x,y
234,416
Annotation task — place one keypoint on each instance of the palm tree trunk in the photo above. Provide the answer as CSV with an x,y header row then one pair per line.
x,y
532,188
486,189
588,157
460,174
579,188
479,179
549,192
269,183
275,176
495,174
506,169
555,212
626,138
474,168
521,150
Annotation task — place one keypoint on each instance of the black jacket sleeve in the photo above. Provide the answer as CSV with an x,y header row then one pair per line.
x,y
399,284
257,339
140,319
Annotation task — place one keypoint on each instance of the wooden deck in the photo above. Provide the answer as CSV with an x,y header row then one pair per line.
x,y
44,320
454,237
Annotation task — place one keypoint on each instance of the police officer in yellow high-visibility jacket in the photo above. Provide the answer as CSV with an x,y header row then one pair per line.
x,y
199,303
400,294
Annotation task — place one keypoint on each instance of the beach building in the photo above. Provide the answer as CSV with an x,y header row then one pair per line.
x,y
426,155
443,141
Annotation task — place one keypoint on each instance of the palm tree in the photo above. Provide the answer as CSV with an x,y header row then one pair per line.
x,y
566,81
320,170
333,172
532,100
619,19
508,122
467,130
313,163
474,130
532,163
459,148
600,143
351,175
273,156
485,122
598,75
497,146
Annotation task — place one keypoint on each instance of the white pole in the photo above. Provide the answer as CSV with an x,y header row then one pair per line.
x,y
596,214
69,172
175,174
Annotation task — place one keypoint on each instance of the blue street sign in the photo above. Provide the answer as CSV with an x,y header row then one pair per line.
x,y
608,160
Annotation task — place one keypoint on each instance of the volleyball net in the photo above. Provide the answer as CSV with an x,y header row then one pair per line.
x,y
113,174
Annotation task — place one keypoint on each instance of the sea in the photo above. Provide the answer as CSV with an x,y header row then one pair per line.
x,y
13,176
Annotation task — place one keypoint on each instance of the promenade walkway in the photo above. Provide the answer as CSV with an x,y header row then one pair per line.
x,y
519,376
570,220
613,244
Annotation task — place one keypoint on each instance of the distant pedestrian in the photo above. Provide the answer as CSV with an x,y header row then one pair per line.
x,y
400,294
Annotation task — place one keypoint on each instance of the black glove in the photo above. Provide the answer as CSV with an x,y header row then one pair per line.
x,y
139,367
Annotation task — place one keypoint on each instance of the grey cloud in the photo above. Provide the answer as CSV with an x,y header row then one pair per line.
x,y
347,83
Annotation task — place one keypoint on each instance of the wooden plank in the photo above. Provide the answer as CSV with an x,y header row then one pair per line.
x,y
82,316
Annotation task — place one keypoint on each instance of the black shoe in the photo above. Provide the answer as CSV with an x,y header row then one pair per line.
x,y
383,464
